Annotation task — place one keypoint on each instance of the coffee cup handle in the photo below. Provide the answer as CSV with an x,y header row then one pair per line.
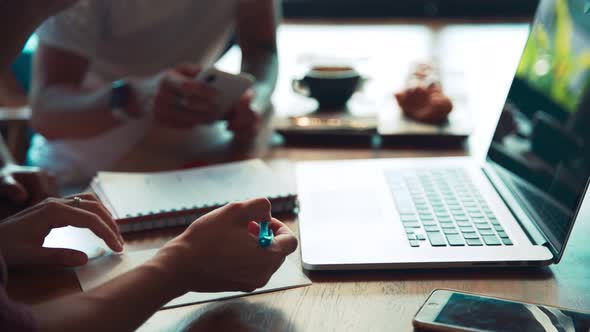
x,y
300,87
361,84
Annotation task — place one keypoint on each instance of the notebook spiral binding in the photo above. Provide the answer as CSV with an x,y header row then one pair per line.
x,y
184,217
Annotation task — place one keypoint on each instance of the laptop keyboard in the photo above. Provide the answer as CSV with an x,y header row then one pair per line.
x,y
444,208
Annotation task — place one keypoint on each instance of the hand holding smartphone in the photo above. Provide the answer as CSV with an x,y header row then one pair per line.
x,y
230,87
453,311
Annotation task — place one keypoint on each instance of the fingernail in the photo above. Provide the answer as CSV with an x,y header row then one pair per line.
x,y
119,247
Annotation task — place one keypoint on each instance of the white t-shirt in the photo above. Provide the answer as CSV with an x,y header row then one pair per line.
x,y
129,38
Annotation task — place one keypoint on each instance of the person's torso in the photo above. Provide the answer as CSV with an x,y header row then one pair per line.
x,y
142,37
139,38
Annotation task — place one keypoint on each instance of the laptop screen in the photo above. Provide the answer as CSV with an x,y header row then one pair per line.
x,y
541,146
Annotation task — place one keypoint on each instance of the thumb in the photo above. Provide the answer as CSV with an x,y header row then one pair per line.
x,y
58,257
284,240
12,190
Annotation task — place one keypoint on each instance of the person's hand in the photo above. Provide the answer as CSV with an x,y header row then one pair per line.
x,y
23,186
176,98
22,235
220,251
242,120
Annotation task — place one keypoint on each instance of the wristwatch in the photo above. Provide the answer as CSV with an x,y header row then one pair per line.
x,y
120,93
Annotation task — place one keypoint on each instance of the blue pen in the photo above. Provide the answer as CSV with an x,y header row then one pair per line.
x,y
265,236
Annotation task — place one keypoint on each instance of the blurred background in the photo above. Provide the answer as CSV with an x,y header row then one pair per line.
x,y
408,8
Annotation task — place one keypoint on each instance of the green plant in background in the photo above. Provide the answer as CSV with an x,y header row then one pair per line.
x,y
549,65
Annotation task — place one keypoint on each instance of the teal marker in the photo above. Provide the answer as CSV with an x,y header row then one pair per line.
x,y
265,236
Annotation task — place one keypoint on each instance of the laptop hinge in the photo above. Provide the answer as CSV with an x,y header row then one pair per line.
x,y
524,219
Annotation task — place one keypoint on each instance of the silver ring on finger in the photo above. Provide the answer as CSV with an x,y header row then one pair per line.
x,y
181,104
77,202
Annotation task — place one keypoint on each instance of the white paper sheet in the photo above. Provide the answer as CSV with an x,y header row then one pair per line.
x,y
102,269
134,194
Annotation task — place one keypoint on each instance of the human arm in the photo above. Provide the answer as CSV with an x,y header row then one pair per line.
x,y
256,33
257,23
63,108
120,305
15,316
21,185
218,252
20,18
22,235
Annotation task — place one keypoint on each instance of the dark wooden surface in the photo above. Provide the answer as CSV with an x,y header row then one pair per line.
x,y
358,301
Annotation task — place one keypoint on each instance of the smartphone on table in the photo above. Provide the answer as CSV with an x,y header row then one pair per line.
x,y
230,87
447,310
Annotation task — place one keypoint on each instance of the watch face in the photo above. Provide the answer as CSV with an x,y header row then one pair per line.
x,y
119,94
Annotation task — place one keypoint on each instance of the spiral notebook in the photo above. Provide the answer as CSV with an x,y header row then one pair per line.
x,y
143,201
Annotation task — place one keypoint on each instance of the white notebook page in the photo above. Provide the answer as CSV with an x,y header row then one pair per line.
x,y
133,194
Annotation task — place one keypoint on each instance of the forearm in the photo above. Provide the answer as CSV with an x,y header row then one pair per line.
x,y
122,304
62,111
264,66
257,23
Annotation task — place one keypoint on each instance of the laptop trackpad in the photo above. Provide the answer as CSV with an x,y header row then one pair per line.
x,y
359,205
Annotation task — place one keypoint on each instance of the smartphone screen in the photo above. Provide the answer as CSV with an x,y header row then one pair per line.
x,y
487,314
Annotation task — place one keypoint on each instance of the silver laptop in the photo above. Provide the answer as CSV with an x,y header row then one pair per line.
x,y
516,208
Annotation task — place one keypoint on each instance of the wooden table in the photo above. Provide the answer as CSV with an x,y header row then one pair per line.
x,y
362,301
